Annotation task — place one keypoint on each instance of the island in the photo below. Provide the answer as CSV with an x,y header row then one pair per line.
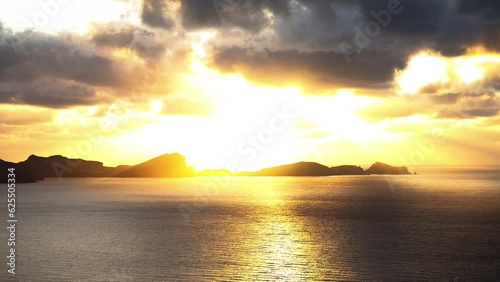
x,y
381,168
169,165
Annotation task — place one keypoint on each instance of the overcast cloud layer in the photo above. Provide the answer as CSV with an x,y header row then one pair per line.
x,y
314,45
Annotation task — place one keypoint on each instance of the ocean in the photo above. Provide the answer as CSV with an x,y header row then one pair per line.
x,y
442,224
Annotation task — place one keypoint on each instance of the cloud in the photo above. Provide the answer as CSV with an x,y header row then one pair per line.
x,y
447,26
143,42
32,55
312,33
49,93
487,8
278,43
305,48
114,60
112,37
247,15
311,70
154,14
313,25
472,105
447,98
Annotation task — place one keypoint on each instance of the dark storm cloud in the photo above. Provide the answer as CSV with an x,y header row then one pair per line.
x,y
317,24
199,14
245,14
471,23
308,37
308,50
319,69
447,26
487,8
402,18
422,17
49,93
154,14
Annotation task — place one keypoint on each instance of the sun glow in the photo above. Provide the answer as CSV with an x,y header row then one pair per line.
x,y
468,70
241,111
423,69
336,115
428,68
474,67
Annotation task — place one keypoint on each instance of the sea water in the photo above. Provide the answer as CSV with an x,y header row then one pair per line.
x,y
443,224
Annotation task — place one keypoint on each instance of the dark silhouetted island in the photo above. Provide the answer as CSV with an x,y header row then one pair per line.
x,y
296,169
59,166
316,169
347,170
169,165
22,175
381,168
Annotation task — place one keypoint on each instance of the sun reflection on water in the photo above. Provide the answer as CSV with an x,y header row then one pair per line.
x,y
279,243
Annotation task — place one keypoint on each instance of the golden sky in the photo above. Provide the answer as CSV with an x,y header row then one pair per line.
x,y
252,83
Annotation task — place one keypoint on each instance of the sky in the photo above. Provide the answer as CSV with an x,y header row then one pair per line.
x,y
248,84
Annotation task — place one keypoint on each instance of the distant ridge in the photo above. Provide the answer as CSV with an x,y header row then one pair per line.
x,y
311,169
296,169
37,168
347,170
56,166
169,165
22,175
381,168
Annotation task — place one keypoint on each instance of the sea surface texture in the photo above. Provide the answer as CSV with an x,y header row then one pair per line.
x,y
442,224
